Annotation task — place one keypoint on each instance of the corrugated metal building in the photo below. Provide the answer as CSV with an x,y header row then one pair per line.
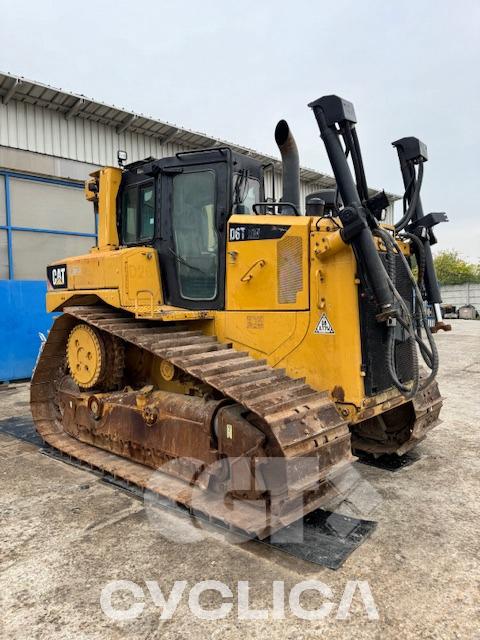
x,y
50,140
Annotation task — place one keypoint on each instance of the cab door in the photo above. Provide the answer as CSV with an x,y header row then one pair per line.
x,y
192,246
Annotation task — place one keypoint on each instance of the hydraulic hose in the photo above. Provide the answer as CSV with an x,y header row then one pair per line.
x,y
406,324
352,145
429,353
336,119
419,252
419,255
407,215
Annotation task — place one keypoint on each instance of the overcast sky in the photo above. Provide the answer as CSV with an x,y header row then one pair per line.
x,y
232,69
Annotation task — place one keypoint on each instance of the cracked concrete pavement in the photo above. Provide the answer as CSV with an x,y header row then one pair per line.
x,y
65,534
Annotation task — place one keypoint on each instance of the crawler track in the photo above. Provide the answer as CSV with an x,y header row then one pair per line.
x,y
299,418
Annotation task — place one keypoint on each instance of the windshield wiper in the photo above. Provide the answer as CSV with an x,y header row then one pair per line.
x,y
241,186
184,262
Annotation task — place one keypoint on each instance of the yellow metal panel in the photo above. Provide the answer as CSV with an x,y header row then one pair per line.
x,y
334,294
134,272
332,360
174,314
259,271
261,332
56,300
141,278
328,361
272,335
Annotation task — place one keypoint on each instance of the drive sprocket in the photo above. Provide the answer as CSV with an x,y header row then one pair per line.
x,y
95,359
86,356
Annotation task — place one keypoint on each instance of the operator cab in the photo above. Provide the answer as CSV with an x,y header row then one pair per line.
x,y
181,205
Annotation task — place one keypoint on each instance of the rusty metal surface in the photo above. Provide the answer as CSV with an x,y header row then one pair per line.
x,y
293,415
149,428
400,428
293,421
441,326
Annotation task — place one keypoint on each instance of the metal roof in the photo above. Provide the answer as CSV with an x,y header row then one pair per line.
x,y
71,105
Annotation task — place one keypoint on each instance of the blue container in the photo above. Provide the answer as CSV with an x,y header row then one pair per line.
x,y
22,318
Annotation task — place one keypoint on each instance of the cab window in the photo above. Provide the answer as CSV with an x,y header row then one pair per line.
x,y
129,216
246,190
147,212
138,214
194,234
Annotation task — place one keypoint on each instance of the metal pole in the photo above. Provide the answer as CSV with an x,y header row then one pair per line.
x,y
8,220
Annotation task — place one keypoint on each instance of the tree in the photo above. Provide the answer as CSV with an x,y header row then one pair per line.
x,y
452,269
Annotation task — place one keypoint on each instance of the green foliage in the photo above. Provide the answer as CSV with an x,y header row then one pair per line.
x,y
452,269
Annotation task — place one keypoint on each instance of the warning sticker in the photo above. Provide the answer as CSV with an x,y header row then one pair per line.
x,y
324,325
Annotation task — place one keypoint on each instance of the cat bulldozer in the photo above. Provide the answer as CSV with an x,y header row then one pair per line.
x,y
234,353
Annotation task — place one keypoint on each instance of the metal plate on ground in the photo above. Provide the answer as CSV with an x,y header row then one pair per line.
x,y
328,537
387,462
21,428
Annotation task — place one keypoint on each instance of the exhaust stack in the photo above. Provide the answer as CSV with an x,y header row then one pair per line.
x,y
290,165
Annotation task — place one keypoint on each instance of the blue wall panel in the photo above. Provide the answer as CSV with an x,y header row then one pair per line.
x,y
22,318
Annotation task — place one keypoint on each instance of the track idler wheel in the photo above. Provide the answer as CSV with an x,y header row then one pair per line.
x,y
95,359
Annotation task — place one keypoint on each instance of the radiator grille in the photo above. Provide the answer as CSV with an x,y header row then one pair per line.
x,y
289,269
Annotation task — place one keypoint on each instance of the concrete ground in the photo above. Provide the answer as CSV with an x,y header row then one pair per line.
x,y
65,534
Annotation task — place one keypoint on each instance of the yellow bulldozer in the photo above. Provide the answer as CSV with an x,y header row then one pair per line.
x,y
231,352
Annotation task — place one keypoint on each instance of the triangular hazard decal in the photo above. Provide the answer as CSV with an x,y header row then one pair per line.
x,y
324,325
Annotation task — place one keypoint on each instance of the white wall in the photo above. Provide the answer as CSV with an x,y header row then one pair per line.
x,y
460,294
